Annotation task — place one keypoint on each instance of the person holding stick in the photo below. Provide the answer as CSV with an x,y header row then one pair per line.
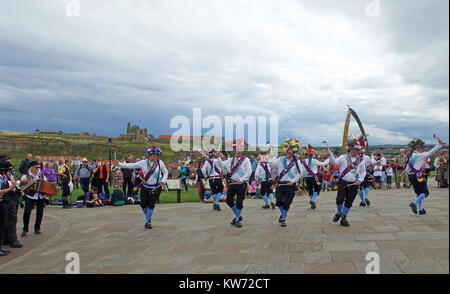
x,y
155,177
353,171
415,169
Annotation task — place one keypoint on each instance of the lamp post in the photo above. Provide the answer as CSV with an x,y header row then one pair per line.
x,y
110,166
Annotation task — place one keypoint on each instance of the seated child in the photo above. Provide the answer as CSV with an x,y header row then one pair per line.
x,y
92,199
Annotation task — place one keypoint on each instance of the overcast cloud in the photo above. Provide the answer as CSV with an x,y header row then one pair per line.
x,y
148,61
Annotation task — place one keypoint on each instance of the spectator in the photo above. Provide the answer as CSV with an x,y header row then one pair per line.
x,y
184,173
101,176
378,173
128,177
25,164
200,182
117,197
92,199
389,174
49,173
443,170
83,172
66,179
437,170
41,165
326,181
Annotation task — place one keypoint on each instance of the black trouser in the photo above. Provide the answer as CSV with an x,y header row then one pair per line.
x,y
284,195
84,183
312,186
239,192
29,204
216,186
65,192
365,184
3,215
127,182
12,204
149,197
103,184
346,194
266,188
419,187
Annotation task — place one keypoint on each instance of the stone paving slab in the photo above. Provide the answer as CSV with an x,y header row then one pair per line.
x,y
192,239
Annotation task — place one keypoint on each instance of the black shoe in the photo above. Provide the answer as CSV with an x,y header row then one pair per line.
x,y
3,252
413,207
336,218
16,244
272,205
283,224
24,233
367,202
148,226
266,207
279,220
362,204
38,232
344,221
422,212
237,224
313,204
216,207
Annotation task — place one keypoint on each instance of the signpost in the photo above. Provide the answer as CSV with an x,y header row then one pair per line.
x,y
175,185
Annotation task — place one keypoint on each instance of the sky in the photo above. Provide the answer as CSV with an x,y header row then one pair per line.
x,y
109,62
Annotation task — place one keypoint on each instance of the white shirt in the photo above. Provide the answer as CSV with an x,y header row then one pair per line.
x,y
418,160
210,171
145,165
378,171
36,178
260,173
293,175
243,173
389,171
315,165
350,176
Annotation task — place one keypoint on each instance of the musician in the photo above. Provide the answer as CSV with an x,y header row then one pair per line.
x,y
240,170
415,169
263,175
32,198
352,173
154,178
66,178
11,198
212,172
290,171
311,165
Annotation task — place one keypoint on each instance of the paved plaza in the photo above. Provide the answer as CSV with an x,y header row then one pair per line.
x,y
192,239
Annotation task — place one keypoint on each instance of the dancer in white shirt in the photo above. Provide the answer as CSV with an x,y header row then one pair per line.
x,y
212,171
311,165
353,171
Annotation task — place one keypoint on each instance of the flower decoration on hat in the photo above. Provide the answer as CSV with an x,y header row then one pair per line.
x,y
153,150
353,142
417,143
239,145
212,153
309,150
291,145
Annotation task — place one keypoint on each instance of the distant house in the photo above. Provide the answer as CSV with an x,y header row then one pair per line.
x,y
134,134
47,132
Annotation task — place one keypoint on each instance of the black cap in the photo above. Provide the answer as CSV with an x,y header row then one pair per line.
x,y
33,163
5,165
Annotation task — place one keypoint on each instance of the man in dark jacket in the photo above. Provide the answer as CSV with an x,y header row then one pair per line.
x,y
25,164
128,178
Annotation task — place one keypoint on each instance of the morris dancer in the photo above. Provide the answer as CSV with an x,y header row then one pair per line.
x,y
415,168
353,172
240,170
289,173
212,170
264,177
312,180
155,177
